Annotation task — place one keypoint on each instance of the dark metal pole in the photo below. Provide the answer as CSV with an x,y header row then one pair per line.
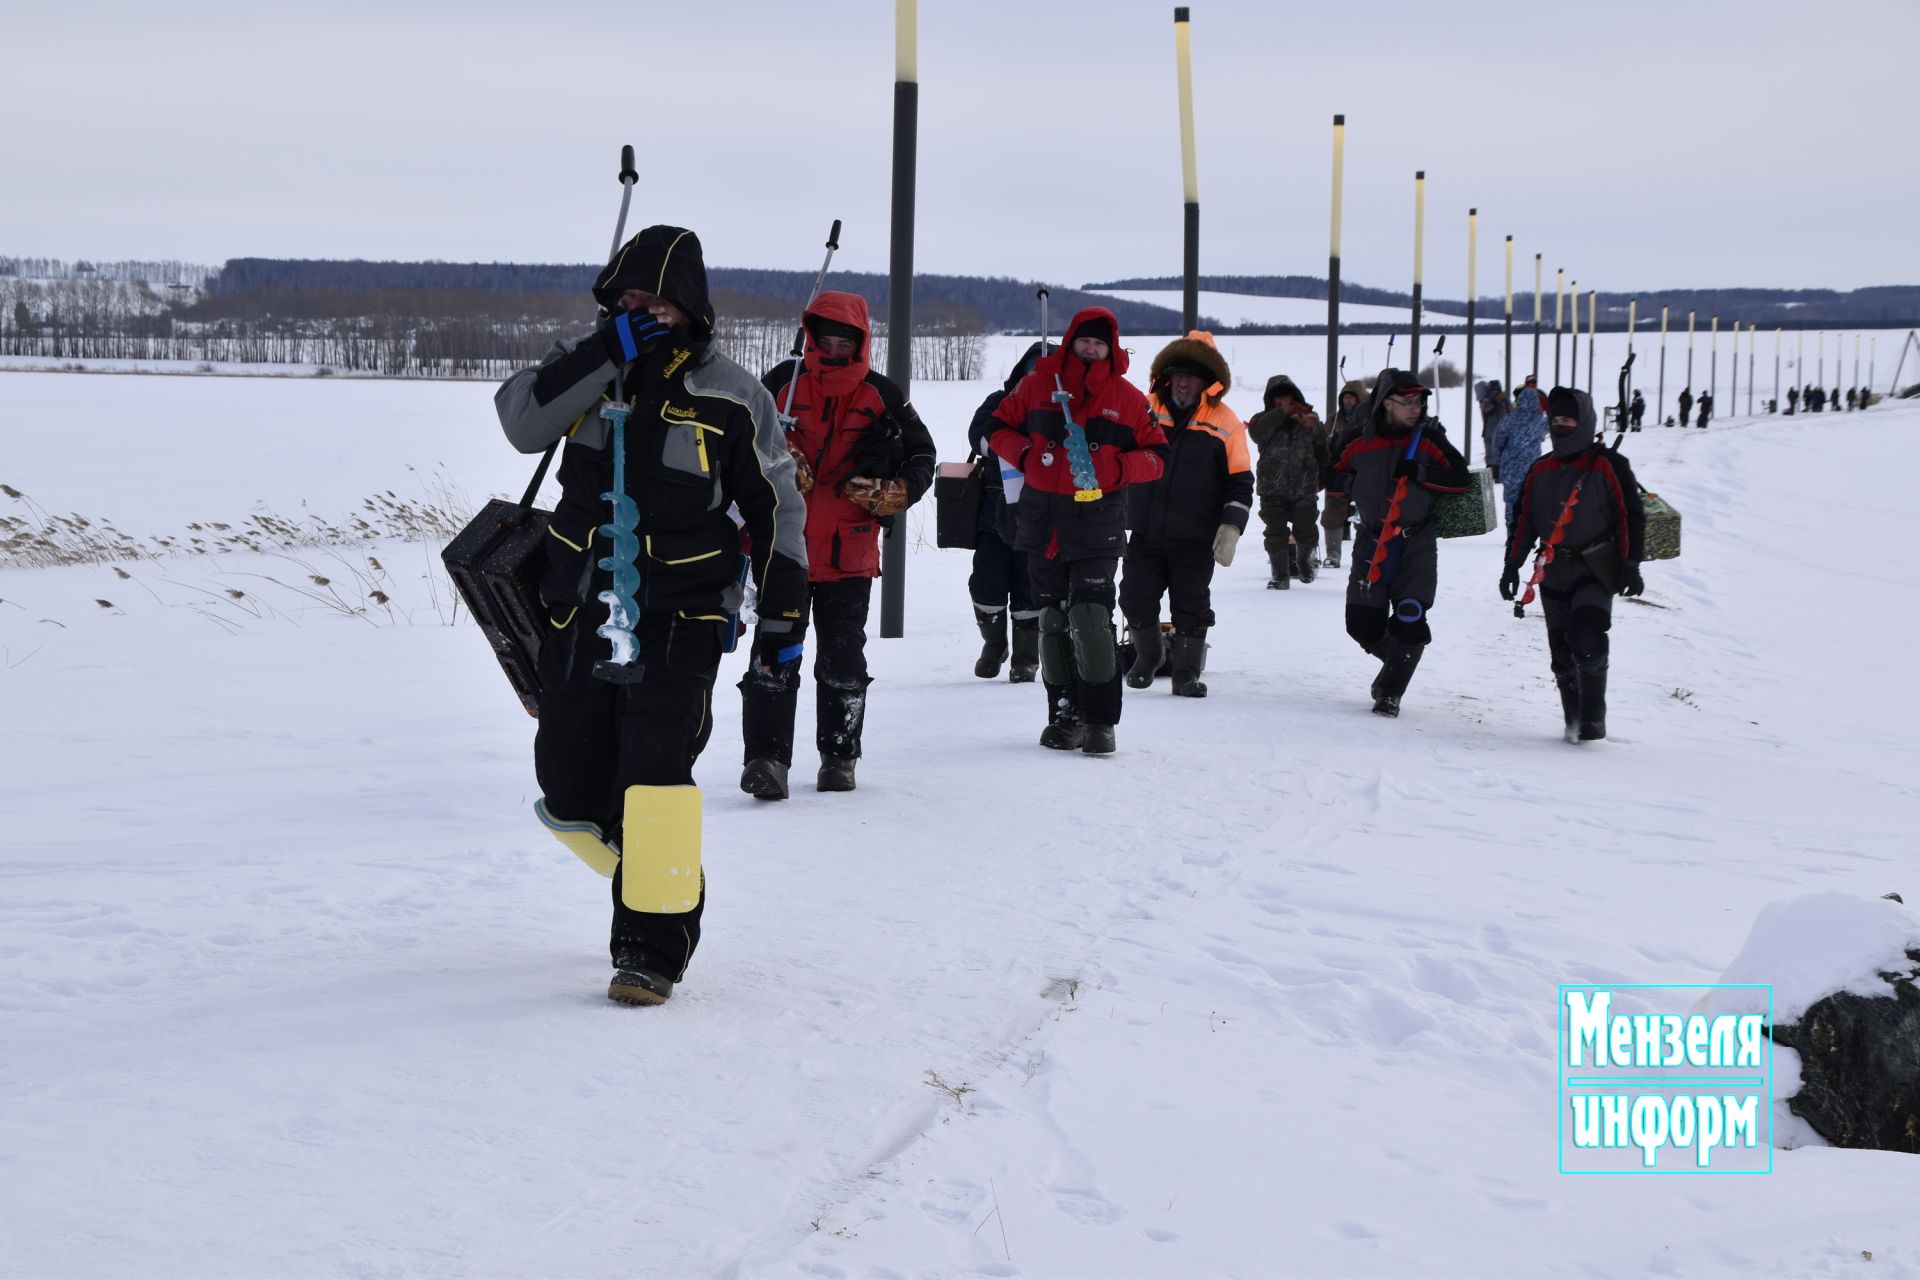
x,y
1559,301
1536,315
1473,246
1660,404
1733,396
906,119
1333,271
1509,317
1573,372
1419,236
1713,361
1593,315
1690,354
1190,291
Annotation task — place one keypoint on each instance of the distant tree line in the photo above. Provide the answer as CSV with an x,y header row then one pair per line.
x,y
391,330
189,274
1880,305
998,304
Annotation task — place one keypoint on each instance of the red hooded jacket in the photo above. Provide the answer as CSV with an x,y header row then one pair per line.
x,y
849,421
1127,447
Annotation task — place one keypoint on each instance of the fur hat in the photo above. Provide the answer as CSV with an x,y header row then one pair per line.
x,y
1197,353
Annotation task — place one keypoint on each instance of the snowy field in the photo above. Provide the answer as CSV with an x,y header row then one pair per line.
x,y
292,984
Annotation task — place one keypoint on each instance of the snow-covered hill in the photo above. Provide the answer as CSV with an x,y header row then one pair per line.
x,y
292,984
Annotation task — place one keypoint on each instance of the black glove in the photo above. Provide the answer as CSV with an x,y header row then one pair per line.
x,y
775,649
1510,582
630,335
1631,583
1407,469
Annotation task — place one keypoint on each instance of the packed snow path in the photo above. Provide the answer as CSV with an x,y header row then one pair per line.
x,y
293,984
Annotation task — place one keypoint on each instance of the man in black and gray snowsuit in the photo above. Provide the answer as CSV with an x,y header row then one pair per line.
x,y
1392,473
999,584
1793,400
1349,420
1638,409
1288,478
1686,404
1189,519
615,746
1706,408
1595,555
1853,399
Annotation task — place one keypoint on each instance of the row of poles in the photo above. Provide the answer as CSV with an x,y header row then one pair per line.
x,y
900,278
1562,293
1563,289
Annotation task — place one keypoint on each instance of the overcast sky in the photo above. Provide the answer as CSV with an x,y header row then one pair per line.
x,y
1638,144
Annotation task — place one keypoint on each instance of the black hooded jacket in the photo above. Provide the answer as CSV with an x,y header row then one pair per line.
x,y
1609,507
1365,469
701,436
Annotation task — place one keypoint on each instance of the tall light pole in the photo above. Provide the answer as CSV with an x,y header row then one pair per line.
x,y
1509,315
1189,177
906,128
1713,362
1660,400
1333,270
1593,326
1536,315
1419,241
1573,374
1690,352
1473,249
1559,301
1776,370
1733,396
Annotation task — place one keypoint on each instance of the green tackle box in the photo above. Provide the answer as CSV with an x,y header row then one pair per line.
x,y
1663,528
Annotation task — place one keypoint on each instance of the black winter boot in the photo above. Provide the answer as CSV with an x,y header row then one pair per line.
x,y
1189,657
1277,577
1026,651
1593,702
993,647
836,774
1569,686
764,779
1149,651
767,707
640,977
1064,731
1397,662
1097,740
1307,571
1293,561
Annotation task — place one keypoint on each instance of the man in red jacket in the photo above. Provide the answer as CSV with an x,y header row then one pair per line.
x,y
1073,539
862,457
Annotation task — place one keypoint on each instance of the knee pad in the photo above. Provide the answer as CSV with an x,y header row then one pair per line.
x,y
585,840
1056,650
660,853
1094,651
1409,622
1587,636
